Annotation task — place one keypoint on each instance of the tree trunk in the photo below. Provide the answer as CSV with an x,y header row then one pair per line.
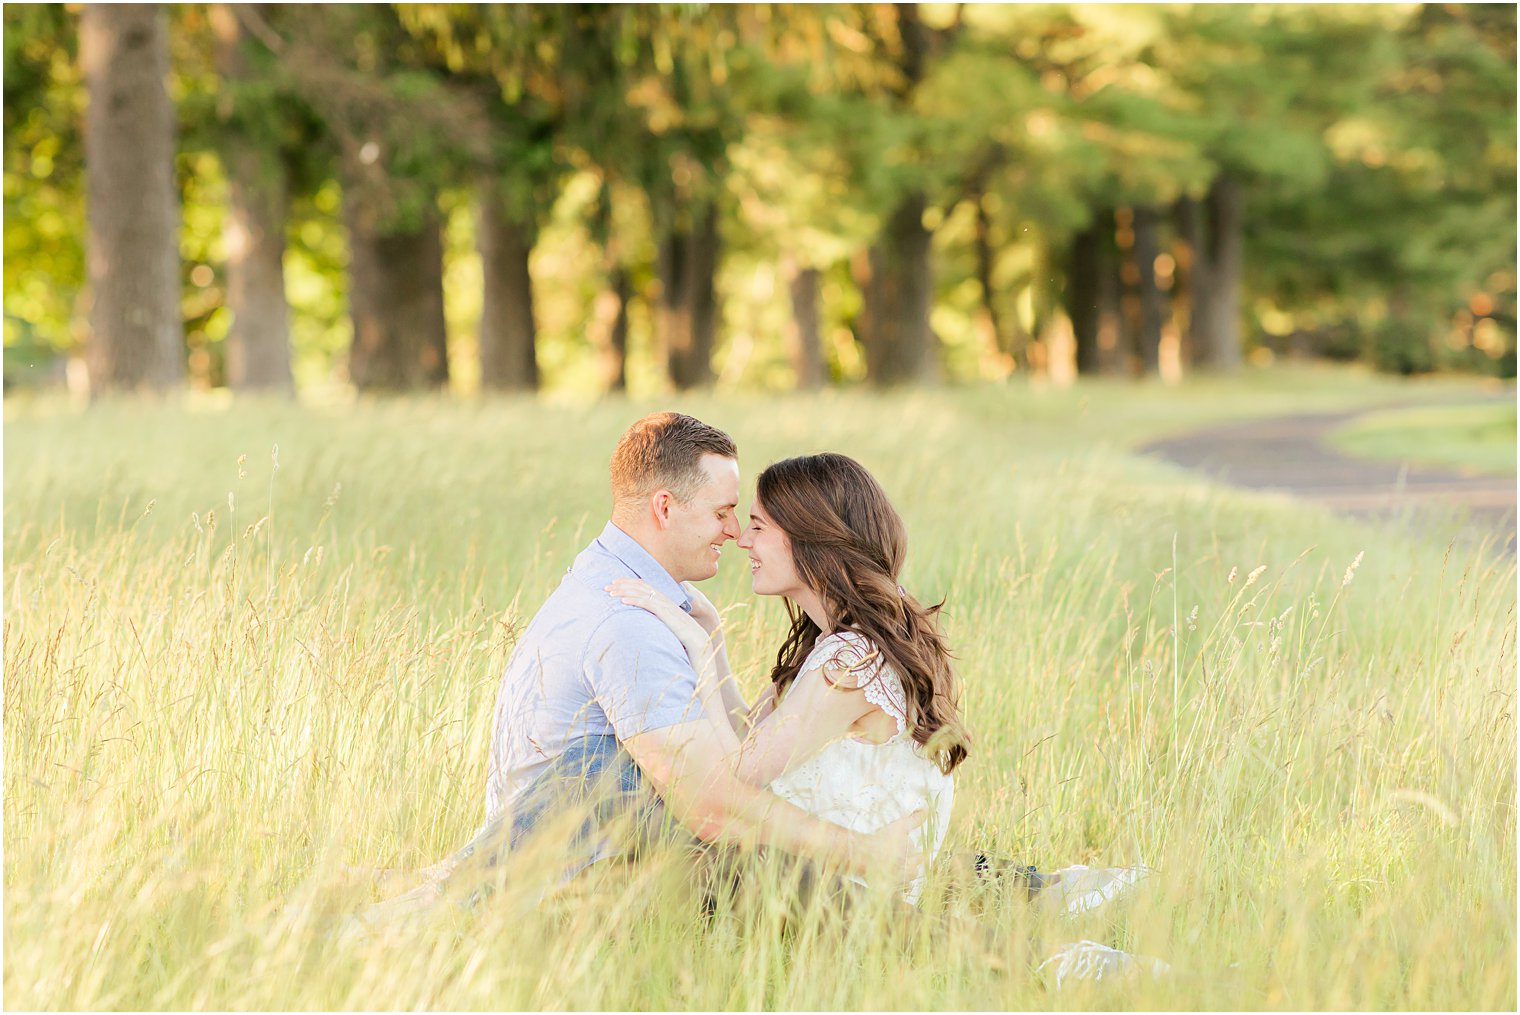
x,y
137,334
1110,305
258,342
899,343
1082,299
1152,303
1226,220
898,340
1093,293
686,318
609,322
507,335
395,299
1193,287
612,328
804,338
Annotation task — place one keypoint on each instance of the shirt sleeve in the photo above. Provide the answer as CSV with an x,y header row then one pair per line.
x,y
639,673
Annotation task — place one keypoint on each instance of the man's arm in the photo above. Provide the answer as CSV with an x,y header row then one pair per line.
x,y
688,768
815,712
642,677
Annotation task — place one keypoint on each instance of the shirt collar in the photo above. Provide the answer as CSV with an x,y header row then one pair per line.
x,y
638,560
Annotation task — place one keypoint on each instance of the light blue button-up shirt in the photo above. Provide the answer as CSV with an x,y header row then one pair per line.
x,y
586,665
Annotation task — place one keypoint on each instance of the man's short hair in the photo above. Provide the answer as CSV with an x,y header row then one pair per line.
x,y
663,451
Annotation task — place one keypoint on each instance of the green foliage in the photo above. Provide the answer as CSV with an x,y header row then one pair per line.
x,y
44,184
1416,220
315,259
1399,346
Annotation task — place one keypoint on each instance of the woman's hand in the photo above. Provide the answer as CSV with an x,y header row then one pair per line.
x,y
702,609
895,849
643,595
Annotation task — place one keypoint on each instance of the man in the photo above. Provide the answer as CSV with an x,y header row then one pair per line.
x,y
598,692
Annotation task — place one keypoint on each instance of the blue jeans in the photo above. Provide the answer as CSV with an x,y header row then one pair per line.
x,y
623,818
594,775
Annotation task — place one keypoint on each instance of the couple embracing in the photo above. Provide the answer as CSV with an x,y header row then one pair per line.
x,y
618,698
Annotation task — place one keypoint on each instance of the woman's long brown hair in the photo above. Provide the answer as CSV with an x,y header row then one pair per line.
x,y
848,544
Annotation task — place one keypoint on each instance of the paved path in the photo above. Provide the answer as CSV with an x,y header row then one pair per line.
x,y
1290,455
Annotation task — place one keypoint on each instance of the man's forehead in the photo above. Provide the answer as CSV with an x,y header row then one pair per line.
x,y
722,479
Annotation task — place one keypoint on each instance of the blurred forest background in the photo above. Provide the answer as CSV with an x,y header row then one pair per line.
x,y
597,198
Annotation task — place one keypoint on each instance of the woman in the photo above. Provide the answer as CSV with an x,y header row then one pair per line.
x,y
860,724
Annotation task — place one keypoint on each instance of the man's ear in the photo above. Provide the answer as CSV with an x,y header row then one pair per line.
x,y
660,505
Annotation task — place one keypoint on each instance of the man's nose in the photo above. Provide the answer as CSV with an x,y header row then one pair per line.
x,y
731,528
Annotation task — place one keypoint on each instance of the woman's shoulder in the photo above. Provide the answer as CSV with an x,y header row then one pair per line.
x,y
849,652
853,660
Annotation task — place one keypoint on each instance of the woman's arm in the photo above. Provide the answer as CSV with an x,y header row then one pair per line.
x,y
813,713
706,615
763,706
705,649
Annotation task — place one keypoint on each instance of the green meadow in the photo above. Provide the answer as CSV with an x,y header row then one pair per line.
x,y
252,649
1471,438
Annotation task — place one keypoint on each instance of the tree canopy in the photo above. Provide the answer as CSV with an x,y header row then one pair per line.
x,y
593,196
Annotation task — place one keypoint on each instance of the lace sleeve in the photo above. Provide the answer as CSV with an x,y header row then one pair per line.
x,y
850,660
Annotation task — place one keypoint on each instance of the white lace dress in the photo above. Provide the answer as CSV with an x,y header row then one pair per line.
x,y
865,786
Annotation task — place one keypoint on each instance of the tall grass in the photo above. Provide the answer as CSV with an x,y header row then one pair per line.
x,y
227,682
